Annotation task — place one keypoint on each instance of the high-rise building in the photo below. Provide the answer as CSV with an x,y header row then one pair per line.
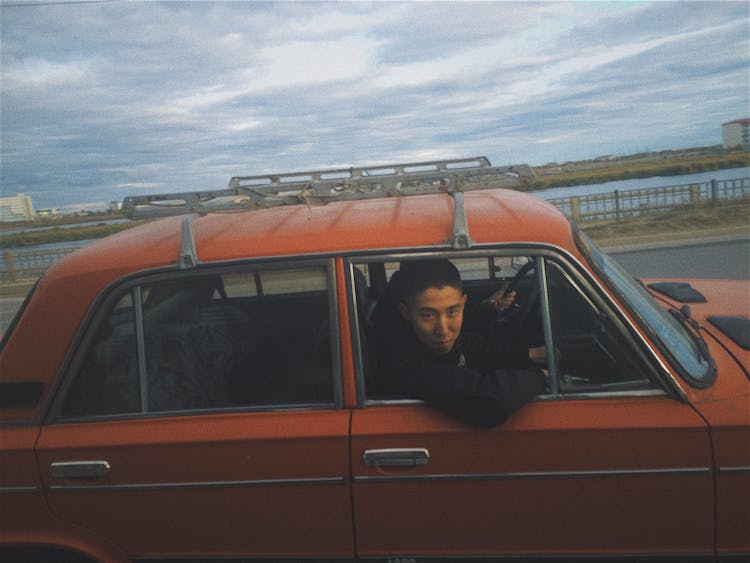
x,y
16,208
736,133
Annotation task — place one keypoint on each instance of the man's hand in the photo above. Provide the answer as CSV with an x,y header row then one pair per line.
x,y
538,355
500,301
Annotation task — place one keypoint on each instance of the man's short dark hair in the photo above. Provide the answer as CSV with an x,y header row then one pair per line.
x,y
418,276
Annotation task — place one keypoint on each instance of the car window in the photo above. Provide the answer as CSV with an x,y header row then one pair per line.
x,y
694,361
592,351
375,289
254,338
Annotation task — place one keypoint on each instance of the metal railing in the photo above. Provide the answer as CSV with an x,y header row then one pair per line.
x,y
27,264
343,184
618,205
23,265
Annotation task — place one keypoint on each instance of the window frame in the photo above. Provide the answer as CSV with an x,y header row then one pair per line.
x,y
589,249
102,306
583,281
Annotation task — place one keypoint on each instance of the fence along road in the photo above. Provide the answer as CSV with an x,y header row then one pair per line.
x,y
618,205
20,265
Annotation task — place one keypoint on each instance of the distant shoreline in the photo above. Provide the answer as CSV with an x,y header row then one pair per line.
x,y
611,169
572,174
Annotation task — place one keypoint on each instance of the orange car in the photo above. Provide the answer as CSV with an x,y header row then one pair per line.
x,y
201,388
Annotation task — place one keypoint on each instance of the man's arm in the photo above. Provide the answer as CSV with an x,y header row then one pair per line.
x,y
485,399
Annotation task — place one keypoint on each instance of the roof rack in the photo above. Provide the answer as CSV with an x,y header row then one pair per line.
x,y
323,186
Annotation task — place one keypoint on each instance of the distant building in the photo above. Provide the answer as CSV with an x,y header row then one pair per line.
x,y
736,133
48,212
115,206
16,208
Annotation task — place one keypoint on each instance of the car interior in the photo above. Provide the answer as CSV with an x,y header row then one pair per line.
x,y
592,353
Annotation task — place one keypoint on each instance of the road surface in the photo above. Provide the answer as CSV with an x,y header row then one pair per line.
x,y
727,258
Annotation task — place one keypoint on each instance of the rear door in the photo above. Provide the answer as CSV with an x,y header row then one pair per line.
x,y
607,463
202,418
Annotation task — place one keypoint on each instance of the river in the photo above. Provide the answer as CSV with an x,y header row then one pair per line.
x,y
643,183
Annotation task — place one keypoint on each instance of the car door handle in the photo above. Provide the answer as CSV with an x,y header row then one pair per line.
x,y
396,457
79,469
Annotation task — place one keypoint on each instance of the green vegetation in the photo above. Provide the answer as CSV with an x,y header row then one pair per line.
x,y
641,168
690,220
58,234
57,220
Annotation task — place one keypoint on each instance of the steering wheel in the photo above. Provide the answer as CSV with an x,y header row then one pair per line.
x,y
519,311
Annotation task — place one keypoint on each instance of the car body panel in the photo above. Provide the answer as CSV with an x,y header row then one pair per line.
x,y
725,406
25,518
251,483
560,475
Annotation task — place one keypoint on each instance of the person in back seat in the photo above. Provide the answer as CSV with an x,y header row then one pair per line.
x,y
425,354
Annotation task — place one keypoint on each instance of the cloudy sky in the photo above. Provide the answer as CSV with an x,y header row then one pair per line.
x,y
104,99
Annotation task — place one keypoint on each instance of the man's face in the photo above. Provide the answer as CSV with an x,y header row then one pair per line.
x,y
436,315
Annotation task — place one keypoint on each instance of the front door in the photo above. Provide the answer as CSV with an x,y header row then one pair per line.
x,y
607,463
584,477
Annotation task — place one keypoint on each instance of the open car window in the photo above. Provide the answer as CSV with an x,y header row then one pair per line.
x,y
592,351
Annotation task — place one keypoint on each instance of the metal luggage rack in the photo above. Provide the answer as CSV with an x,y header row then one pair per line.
x,y
323,186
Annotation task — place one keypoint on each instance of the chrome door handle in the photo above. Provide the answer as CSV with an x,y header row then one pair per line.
x,y
79,469
396,457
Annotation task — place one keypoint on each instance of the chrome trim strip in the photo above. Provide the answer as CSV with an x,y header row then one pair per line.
x,y
737,469
19,490
393,402
575,557
335,332
204,484
541,280
536,474
547,397
572,395
140,347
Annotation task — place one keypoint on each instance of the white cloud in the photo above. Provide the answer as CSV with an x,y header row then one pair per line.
x,y
184,95
39,74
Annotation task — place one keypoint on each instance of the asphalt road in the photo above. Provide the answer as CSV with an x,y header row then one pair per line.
x,y
727,258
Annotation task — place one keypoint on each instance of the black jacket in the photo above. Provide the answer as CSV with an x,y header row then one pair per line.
x,y
483,379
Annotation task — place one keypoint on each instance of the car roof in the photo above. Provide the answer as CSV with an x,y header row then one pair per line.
x,y
383,224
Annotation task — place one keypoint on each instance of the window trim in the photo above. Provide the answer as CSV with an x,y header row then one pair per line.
x,y
102,305
657,372
583,244
18,314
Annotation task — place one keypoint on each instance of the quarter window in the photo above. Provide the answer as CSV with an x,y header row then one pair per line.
x,y
253,338
593,353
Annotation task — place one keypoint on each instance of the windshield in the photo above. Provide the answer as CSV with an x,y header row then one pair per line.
x,y
674,337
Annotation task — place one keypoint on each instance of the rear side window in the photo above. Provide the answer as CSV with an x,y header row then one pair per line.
x,y
257,338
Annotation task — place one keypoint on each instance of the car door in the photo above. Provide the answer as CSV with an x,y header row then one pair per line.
x,y
202,418
609,462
